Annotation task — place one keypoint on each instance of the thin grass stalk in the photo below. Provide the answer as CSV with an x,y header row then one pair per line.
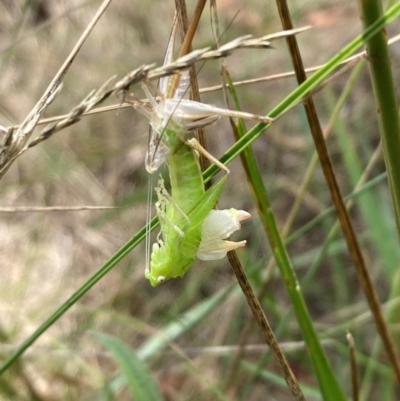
x,y
384,89
353,366
348,231
252,299
267,331
255,306
188,32
362,361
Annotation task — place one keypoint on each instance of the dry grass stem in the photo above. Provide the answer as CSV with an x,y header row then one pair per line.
x,y
265,326
353,366
269,78
15,143
30,209
350,236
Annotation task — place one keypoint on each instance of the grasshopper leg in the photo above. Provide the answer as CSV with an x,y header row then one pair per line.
x,y
195,144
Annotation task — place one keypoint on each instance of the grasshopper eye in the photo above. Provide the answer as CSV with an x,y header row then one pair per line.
x,y
162,279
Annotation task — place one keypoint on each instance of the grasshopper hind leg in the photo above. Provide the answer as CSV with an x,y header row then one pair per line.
x,y
195,144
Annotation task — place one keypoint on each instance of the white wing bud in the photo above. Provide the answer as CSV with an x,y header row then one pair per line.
x,y
219,225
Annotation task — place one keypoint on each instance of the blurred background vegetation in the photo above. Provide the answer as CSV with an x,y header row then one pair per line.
x,y
45,256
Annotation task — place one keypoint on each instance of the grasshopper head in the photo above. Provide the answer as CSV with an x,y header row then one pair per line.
x,y
160,266
166,263
156,280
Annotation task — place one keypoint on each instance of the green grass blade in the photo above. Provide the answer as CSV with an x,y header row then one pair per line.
x,y
387,107
385,98
139,379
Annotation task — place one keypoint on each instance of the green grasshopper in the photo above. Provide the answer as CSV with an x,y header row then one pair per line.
x,y
190,227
